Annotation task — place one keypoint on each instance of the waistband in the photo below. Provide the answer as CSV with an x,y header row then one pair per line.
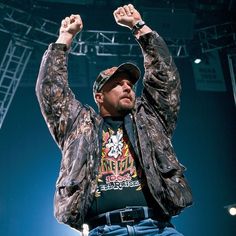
x,y
125,216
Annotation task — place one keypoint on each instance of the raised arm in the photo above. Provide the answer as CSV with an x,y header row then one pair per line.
x,y
57,102
161,93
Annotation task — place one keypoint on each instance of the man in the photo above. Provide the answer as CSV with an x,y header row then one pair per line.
x,y
119,173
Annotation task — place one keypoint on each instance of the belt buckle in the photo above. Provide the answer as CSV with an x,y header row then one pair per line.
x,y
125,216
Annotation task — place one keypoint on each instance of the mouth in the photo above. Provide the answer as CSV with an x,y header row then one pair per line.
x,y
126,97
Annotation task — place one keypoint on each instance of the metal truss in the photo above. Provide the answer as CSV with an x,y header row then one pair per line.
x,y
100,43
11,70
115,43
217,37
26,26
104,43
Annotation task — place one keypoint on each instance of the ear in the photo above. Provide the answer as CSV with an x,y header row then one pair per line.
x,y
99,98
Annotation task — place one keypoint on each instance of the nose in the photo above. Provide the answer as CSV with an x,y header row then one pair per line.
x,y
127,87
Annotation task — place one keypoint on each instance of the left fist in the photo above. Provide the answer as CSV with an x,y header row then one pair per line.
x,y
126,16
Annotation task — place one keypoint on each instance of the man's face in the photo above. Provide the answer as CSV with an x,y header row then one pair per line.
x,y
117,95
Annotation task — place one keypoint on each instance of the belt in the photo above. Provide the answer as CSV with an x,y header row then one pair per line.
x,y
126,216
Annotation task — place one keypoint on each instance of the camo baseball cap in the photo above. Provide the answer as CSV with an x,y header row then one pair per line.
x,y
131,69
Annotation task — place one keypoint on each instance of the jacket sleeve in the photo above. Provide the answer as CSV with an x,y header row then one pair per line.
x,y
57,102
161,81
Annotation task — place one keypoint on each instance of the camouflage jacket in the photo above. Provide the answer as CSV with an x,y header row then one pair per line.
x,y
76,128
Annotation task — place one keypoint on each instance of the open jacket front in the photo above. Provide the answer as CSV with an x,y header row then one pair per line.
x,y
76,128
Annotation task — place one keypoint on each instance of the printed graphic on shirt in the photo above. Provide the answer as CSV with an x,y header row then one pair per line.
x,y
117,170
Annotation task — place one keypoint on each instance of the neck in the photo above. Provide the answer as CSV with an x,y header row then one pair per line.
x,y
115,113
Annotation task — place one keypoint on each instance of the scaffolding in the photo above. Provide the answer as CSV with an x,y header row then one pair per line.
x,y
11,70
217,37
116,43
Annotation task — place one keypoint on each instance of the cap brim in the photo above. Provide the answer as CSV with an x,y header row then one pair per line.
x,y
131,69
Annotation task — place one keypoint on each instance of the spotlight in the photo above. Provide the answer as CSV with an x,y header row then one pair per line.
x,y
197,60
231,209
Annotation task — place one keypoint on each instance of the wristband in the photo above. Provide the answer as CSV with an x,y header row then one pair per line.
x,y
138,26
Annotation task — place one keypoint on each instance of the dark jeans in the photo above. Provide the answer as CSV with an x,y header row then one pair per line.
x,y
146,227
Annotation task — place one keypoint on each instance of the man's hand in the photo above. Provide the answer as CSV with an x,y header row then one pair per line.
x,y
127,16
70,26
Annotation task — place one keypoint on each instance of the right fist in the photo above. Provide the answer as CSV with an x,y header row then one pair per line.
x,y
71,25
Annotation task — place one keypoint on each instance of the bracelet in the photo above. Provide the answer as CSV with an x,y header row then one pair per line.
x,y
138,26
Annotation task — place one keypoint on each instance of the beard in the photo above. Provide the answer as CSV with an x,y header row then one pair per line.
x,y
119,106
125,108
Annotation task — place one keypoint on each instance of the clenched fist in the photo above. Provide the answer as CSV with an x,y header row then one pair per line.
x,y
127,16
70,26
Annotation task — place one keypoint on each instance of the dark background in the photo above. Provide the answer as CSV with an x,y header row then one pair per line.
x,y
204,139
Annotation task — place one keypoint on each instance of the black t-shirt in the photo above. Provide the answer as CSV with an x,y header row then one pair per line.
x,y
120,180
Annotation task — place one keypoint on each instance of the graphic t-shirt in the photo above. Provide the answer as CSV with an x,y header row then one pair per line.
x,y
120,179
